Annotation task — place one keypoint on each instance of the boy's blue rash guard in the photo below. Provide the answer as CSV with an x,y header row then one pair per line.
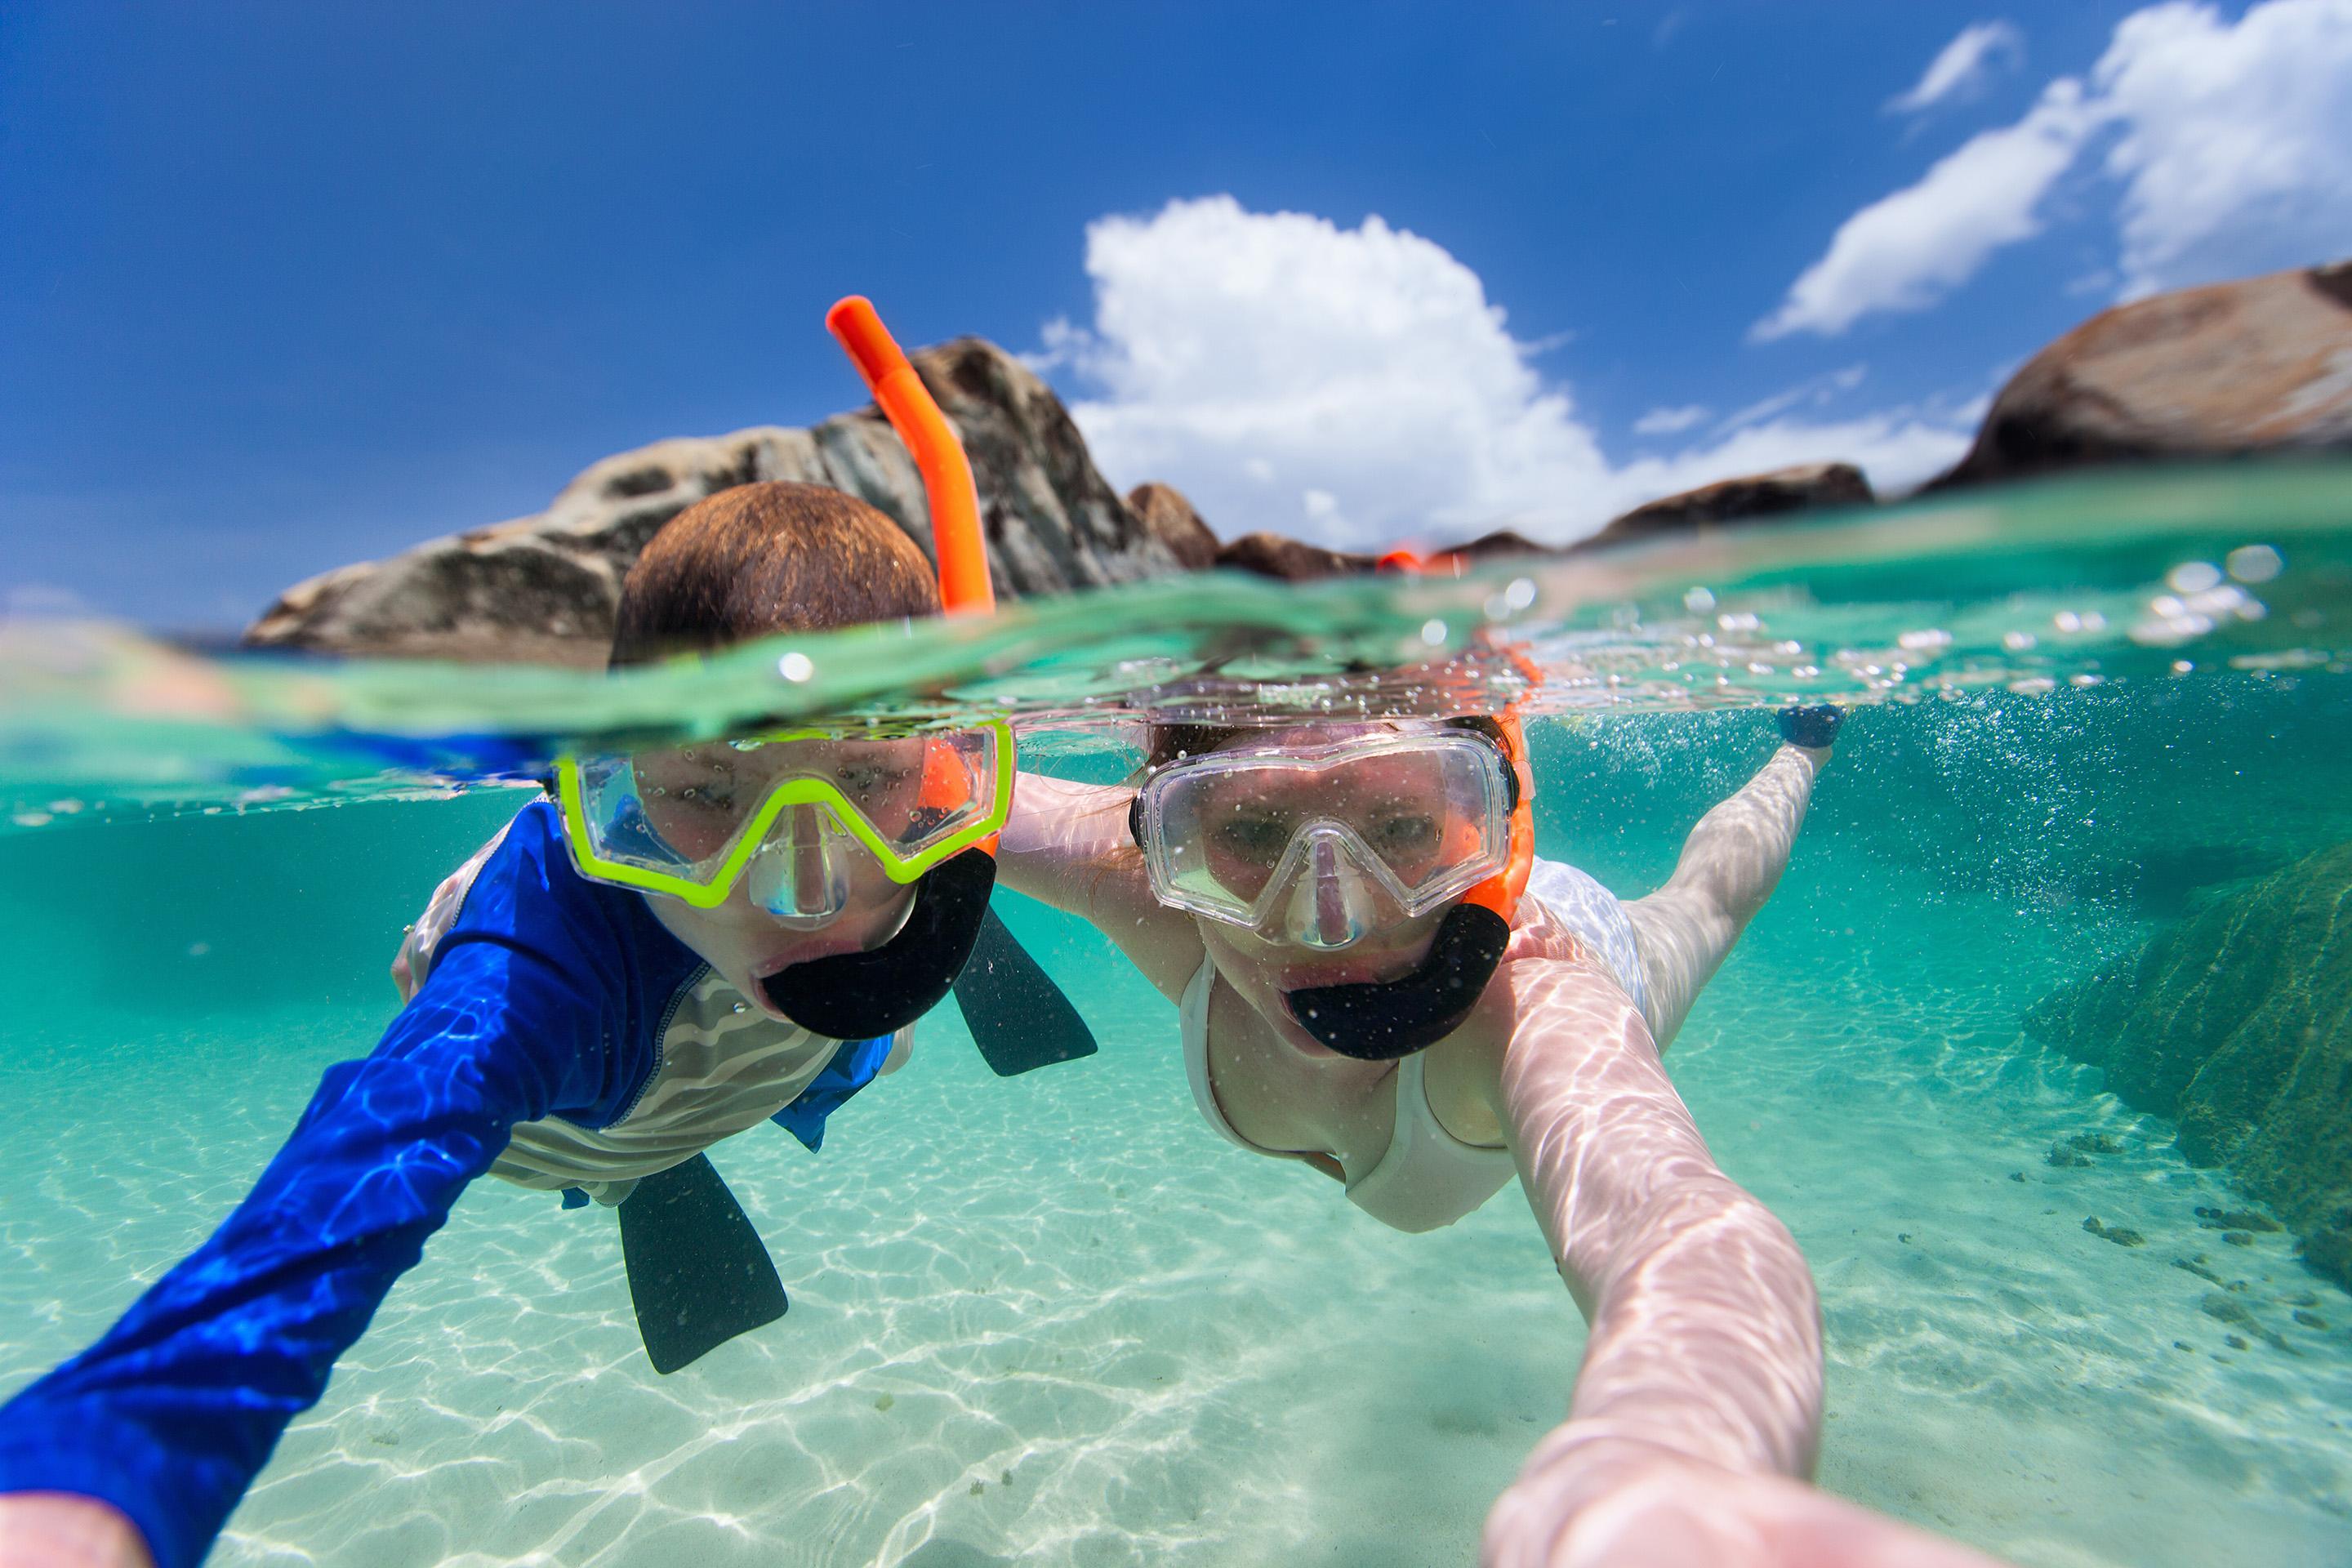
x,y
545,998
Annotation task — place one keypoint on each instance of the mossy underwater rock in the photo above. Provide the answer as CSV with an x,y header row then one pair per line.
x,y
2237,1024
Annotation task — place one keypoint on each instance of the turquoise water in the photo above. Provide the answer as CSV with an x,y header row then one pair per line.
x,y
1054,1318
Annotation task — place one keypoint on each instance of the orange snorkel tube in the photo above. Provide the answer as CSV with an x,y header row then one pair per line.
x,y
1018,1016
948,485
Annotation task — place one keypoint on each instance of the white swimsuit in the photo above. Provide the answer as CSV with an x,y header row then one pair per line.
x,y
1427,1177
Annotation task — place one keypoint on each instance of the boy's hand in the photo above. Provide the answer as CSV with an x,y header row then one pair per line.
x,y
1625,1504
59,1529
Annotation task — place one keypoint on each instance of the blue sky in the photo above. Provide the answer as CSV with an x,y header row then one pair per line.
x,y
282,286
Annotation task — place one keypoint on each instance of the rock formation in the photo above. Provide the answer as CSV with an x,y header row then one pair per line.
x,y
1278,555
1170,518
2264,365
2237,1024
1805,488
545,587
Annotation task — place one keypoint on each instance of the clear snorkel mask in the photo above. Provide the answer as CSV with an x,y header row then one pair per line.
x,y
1323,846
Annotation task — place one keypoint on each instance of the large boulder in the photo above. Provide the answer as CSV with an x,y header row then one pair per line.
x,y
2264,365
2237,1024
545,587
1295,560
1169,517
1807,487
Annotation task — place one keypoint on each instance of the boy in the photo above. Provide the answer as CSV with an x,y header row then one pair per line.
x,y
700,938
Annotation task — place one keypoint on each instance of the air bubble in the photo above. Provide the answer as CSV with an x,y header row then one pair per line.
x,y
1699,601
2192,577
2253,564
795,667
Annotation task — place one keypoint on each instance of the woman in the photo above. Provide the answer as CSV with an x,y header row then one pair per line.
x,y
1377,980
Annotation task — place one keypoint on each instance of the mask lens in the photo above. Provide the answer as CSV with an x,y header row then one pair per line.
x,y
684,820
1425,816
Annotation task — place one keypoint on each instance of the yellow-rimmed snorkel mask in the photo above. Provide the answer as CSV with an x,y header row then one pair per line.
x,y
785,810
788,811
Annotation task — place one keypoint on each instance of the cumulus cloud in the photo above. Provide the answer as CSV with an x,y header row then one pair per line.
x,y
2236,153
1963,67
2228,140
1907,251
1356,386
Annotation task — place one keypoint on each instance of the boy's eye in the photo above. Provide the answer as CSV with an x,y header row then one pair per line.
x,y
866,782
712,794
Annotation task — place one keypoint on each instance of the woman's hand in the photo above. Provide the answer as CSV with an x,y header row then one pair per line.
x,y
1589,1501
59,1529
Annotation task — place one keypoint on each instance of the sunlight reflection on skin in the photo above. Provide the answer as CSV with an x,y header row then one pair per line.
x,y
1699,1399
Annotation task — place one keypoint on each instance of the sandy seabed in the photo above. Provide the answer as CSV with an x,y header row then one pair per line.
x,y
1054,1319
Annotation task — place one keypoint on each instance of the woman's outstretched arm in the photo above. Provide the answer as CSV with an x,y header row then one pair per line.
x,y
1067,845
1729,865
1698,1405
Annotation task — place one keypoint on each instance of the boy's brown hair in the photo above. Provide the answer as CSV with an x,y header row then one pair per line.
x,y
760,559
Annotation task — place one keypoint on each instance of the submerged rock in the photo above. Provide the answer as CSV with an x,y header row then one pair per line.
x,y
2120,1234
2237,1023
544,588
2263,364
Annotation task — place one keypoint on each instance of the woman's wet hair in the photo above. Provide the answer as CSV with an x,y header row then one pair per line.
x,y
1169,742
762,559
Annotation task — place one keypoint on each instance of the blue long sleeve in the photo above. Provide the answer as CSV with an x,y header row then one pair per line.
x,y
537,1004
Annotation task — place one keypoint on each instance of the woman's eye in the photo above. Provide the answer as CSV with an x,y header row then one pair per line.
x,y
1257,837
1406,834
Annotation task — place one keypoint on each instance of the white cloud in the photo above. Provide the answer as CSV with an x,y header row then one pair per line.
x,y
1963,67
1905,251
1670,421
2237,149
1276,367
2229,146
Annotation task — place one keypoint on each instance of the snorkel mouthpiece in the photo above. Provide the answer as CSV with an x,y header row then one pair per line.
x,y
861,995
1384,1022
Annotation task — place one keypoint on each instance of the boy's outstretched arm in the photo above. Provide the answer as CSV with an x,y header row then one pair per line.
x,y
170,1414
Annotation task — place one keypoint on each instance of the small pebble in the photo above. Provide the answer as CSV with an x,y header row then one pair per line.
x,y
2309,1319
2182,1345
1005,1479
2095,1144
2017,1175
884,1403
2238,1237
2232,1341
2197,1267
980,1487
1904,1236
2301,1298
2062,1156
